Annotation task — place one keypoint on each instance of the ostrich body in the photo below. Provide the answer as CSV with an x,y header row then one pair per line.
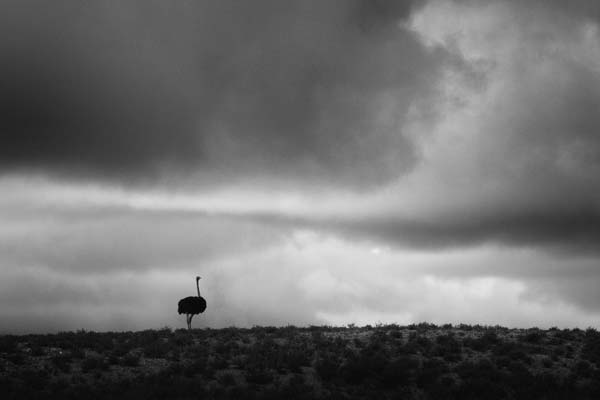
x,y
192,305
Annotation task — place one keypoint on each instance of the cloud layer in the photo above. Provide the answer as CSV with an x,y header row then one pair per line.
x,y
316,162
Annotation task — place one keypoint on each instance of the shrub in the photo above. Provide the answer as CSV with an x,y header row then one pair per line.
x,y
318,338
227,379
208,372
120,350
591,346
480,380
77,353
502,361
130,360
259,376
294,359
113,360
193,368
62,362
354,371
566,334
157,349
327,367
218,362
583,369
396,334
198,352
519,379
369,363
8,344
417,344
16,358
93,363
34,378
99,342
424,326
533,337
444,387
399,372
295,388
448,347
37,351
431,371
182,338
547,362
515,351
483,343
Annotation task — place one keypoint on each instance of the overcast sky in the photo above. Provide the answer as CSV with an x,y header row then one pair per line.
x,y
315,162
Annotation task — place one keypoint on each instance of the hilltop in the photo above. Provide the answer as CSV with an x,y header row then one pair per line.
x,y
421,361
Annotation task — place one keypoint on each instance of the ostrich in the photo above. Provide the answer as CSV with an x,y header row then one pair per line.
x,y
192,305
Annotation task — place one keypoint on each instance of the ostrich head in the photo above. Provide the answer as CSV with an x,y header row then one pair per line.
x,y
197,278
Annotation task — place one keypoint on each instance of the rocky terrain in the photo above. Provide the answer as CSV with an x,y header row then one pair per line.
x,y
421,361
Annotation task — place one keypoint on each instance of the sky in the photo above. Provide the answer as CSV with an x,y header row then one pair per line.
x,y
314,162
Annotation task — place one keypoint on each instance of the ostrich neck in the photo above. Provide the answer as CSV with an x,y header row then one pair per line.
x,y
198,288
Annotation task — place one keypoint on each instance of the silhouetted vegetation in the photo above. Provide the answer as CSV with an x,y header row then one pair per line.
x,y
420,361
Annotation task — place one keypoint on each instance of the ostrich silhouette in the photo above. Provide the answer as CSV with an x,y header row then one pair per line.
x,y
192,305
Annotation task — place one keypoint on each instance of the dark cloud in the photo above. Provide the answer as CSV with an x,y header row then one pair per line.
x,y
473,124
563,232
321,91
571,231
516,153
136,89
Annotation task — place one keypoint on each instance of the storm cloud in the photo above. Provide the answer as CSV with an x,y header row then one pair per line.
x,y
143,90
314,162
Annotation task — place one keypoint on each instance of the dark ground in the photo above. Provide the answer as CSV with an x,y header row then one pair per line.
x,y
421,361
